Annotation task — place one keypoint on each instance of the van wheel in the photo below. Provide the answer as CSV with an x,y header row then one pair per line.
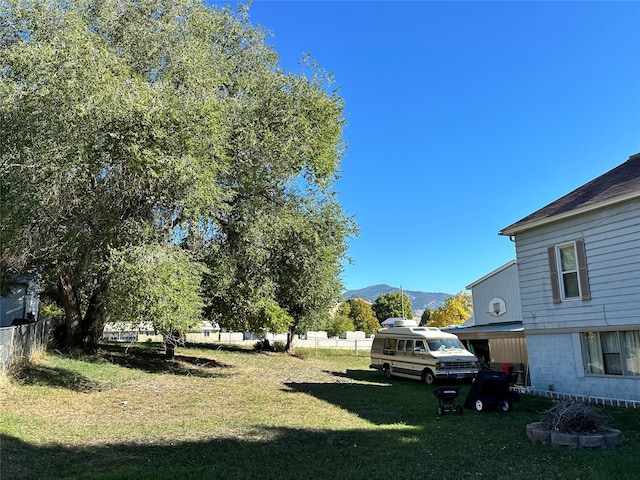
x,y
428,377
479,405
387,371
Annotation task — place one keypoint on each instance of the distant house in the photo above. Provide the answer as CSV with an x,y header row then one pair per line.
x,y
128,332
579,275
19,302
496,334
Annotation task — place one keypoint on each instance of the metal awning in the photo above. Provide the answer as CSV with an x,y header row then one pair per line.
x,y
492,330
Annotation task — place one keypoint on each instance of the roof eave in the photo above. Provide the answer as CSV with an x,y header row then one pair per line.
x,y
490,274
521,227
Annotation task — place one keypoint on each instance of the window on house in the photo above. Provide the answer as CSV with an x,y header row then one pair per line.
x,y
568,268
569,271
611,353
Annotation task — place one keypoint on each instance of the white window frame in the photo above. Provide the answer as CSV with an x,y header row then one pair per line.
x,y
563,273
558,290
594,358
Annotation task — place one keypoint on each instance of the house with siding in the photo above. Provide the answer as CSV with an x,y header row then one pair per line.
x,y
496,335
579,276
19,302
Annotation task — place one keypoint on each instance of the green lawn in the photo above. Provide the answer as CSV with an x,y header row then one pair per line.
x,y
234,414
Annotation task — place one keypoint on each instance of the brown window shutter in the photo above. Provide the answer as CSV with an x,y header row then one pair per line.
x,y
582,270
553,270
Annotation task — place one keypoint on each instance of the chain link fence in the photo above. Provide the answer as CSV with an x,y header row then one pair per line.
x,y
19,343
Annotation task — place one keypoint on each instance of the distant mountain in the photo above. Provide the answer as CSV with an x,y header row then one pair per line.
x,y
419,300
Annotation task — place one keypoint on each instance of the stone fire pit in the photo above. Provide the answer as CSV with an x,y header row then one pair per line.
x,y
573,424
608,437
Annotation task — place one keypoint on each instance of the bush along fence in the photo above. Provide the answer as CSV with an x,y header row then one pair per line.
x,y
19,343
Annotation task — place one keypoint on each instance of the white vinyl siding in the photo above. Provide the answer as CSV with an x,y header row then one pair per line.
x,y
502,284
554,331
612,239
568,271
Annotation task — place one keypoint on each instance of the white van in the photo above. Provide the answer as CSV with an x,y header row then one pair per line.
x,y
424,353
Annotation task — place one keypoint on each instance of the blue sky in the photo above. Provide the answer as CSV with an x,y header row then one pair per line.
x,y
462,118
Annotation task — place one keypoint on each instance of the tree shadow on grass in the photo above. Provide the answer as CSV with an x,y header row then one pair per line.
x,y
151,359
272,454
55,377
380,404
358,375
276,453
367,394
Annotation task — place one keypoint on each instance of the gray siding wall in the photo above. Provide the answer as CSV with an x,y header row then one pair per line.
x,y
612,245
504,284
556,360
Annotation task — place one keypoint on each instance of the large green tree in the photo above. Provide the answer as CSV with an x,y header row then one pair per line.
x,y
148,122
306,260
392,305
111,129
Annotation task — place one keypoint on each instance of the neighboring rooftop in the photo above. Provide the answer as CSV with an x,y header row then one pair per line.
x,y
618,184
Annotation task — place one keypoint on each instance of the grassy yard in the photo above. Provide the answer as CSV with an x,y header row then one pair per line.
x,y
235,414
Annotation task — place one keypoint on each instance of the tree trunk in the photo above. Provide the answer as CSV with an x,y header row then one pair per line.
x,y
71,304
289,346
93,319
170,340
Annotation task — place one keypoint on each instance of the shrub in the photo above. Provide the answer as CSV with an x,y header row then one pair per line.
x,y
265,346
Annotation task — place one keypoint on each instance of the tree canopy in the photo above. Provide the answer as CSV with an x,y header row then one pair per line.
x,y
392,305
362,316
138,125
456,310
157,284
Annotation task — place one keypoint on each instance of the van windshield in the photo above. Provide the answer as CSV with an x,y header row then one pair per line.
x,y
444,344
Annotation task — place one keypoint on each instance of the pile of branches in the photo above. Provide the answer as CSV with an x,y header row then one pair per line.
x,y
573,417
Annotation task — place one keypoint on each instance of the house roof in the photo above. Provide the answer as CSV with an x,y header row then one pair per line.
x,y
491,274
617,185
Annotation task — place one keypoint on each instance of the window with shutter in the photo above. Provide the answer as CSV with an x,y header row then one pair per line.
x,y
568,271
553,268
